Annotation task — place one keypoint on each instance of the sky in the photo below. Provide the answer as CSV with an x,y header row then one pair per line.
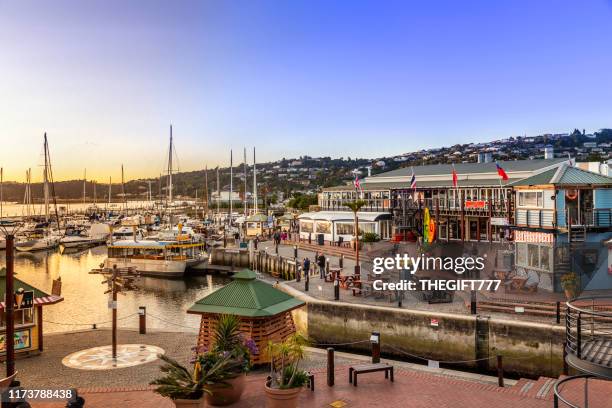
x,y
105,79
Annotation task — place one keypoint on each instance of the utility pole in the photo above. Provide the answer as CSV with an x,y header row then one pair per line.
x,y
245,183
231,208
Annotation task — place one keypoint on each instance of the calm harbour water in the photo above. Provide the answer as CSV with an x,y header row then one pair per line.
x,y
84,299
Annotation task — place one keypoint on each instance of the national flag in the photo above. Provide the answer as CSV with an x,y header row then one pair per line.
x,y
501,172
455,179
413,181
357,184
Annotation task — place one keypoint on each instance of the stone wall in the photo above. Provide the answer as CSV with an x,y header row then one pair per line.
x,y
529,349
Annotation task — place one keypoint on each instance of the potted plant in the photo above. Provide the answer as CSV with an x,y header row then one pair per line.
x,y
286,378
186,387
569,283
228,342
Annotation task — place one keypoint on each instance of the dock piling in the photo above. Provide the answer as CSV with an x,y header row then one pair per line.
x,y
330,367
142,320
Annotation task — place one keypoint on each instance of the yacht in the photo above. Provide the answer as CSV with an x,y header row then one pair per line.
x,y
96,235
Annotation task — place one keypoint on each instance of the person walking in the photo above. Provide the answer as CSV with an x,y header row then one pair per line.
x,y
321,263
306,267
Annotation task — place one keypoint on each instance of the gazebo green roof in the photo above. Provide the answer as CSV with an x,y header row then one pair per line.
x,y
246,296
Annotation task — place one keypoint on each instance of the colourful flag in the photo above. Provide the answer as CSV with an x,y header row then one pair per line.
x,y
455,179
501,172
413,181
357,183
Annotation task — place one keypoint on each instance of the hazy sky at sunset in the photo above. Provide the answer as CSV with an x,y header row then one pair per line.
x,y
338,78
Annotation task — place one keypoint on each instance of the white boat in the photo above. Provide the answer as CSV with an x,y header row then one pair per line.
x,y
127,233
38,244
97,234
156,258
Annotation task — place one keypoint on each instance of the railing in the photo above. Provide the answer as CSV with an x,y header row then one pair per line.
x,y
558,389
372,205
588,343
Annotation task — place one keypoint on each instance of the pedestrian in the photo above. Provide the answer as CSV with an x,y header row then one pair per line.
x,y
306,266
321,263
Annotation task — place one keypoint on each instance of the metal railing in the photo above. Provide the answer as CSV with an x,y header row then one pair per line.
x,y
558,390
588,344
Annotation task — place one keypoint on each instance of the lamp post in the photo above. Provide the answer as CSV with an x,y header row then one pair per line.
x,y
9,305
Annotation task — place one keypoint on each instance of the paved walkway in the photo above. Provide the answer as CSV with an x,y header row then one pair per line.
x,y
410,389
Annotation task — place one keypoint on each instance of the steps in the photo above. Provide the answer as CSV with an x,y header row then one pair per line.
x,y
598,351
541,388
540,309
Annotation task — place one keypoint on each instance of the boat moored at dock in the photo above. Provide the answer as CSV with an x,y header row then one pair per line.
x,y
156,258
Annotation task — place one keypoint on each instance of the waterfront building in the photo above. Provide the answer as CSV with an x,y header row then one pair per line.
x,y
256,224
478,208
339,226
264,311
28,313
563,217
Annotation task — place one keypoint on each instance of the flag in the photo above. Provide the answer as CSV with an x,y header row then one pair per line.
x,y
413,181
501,172
455,179
357,184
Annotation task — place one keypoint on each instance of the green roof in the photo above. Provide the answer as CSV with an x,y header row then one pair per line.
x,y
18,283
246,296
257,218
565,176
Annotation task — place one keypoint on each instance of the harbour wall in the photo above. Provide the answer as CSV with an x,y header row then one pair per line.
x,y
528,349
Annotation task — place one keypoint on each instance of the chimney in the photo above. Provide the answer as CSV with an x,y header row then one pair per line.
x,y
549,152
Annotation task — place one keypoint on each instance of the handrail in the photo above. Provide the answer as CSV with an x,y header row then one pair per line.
x,y
589,311
557,392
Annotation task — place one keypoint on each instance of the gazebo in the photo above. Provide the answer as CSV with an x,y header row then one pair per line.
x,y
264,311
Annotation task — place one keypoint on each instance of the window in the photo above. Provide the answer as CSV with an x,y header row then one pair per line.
x,y
323,227
365,227
345,228
533,256
305,226
530,198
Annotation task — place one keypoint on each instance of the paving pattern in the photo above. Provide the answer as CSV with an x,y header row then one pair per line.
x,y
101,358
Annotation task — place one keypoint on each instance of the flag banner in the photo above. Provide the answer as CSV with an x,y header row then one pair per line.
x,y
501,172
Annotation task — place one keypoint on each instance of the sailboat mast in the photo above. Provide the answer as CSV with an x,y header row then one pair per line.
x,y
170,169
123,188
94,192
206,190
84,185
245,183
1,185
231,187
218,192
254,182
46,179
110,183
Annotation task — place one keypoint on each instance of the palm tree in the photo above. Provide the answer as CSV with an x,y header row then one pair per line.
x,y
355,206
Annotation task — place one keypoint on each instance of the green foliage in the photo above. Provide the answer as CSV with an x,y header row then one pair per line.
x,y
285,360
356,205
370,237
180,383
569,281
303,201
226,336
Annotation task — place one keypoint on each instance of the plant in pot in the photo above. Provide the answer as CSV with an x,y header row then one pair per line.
x,y
569,283
228,342
286,379
185,387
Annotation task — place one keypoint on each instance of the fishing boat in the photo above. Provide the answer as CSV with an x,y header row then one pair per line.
x,y
168,259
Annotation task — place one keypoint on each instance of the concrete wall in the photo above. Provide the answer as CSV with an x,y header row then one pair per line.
x,y
529,349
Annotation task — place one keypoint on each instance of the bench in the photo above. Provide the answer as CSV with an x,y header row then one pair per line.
x,y
369,368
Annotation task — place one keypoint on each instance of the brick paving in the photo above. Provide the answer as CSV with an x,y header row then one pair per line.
x,y
410,389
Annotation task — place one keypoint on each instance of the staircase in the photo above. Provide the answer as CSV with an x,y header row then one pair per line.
x,y
576,233
541,388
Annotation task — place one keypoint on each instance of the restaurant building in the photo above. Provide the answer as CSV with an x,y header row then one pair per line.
x,y
479,208
563,219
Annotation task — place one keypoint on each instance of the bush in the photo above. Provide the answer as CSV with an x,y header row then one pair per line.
x,y
370,237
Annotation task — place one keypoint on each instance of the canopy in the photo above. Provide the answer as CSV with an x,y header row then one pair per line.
x,y
246,296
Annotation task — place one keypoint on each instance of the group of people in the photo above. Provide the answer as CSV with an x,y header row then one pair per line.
x,y
320,263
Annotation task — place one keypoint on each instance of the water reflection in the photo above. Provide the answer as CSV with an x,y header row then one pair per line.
x,y
84,299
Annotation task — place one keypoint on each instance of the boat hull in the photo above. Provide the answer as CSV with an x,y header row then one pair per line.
x,y
150,267
82,243
37,245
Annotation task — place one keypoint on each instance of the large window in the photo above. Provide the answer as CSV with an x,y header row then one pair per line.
x,y
534,256
305,226
530,198
345,228
323,227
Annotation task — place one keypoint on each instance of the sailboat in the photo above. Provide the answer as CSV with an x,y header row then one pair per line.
x,y
43,239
